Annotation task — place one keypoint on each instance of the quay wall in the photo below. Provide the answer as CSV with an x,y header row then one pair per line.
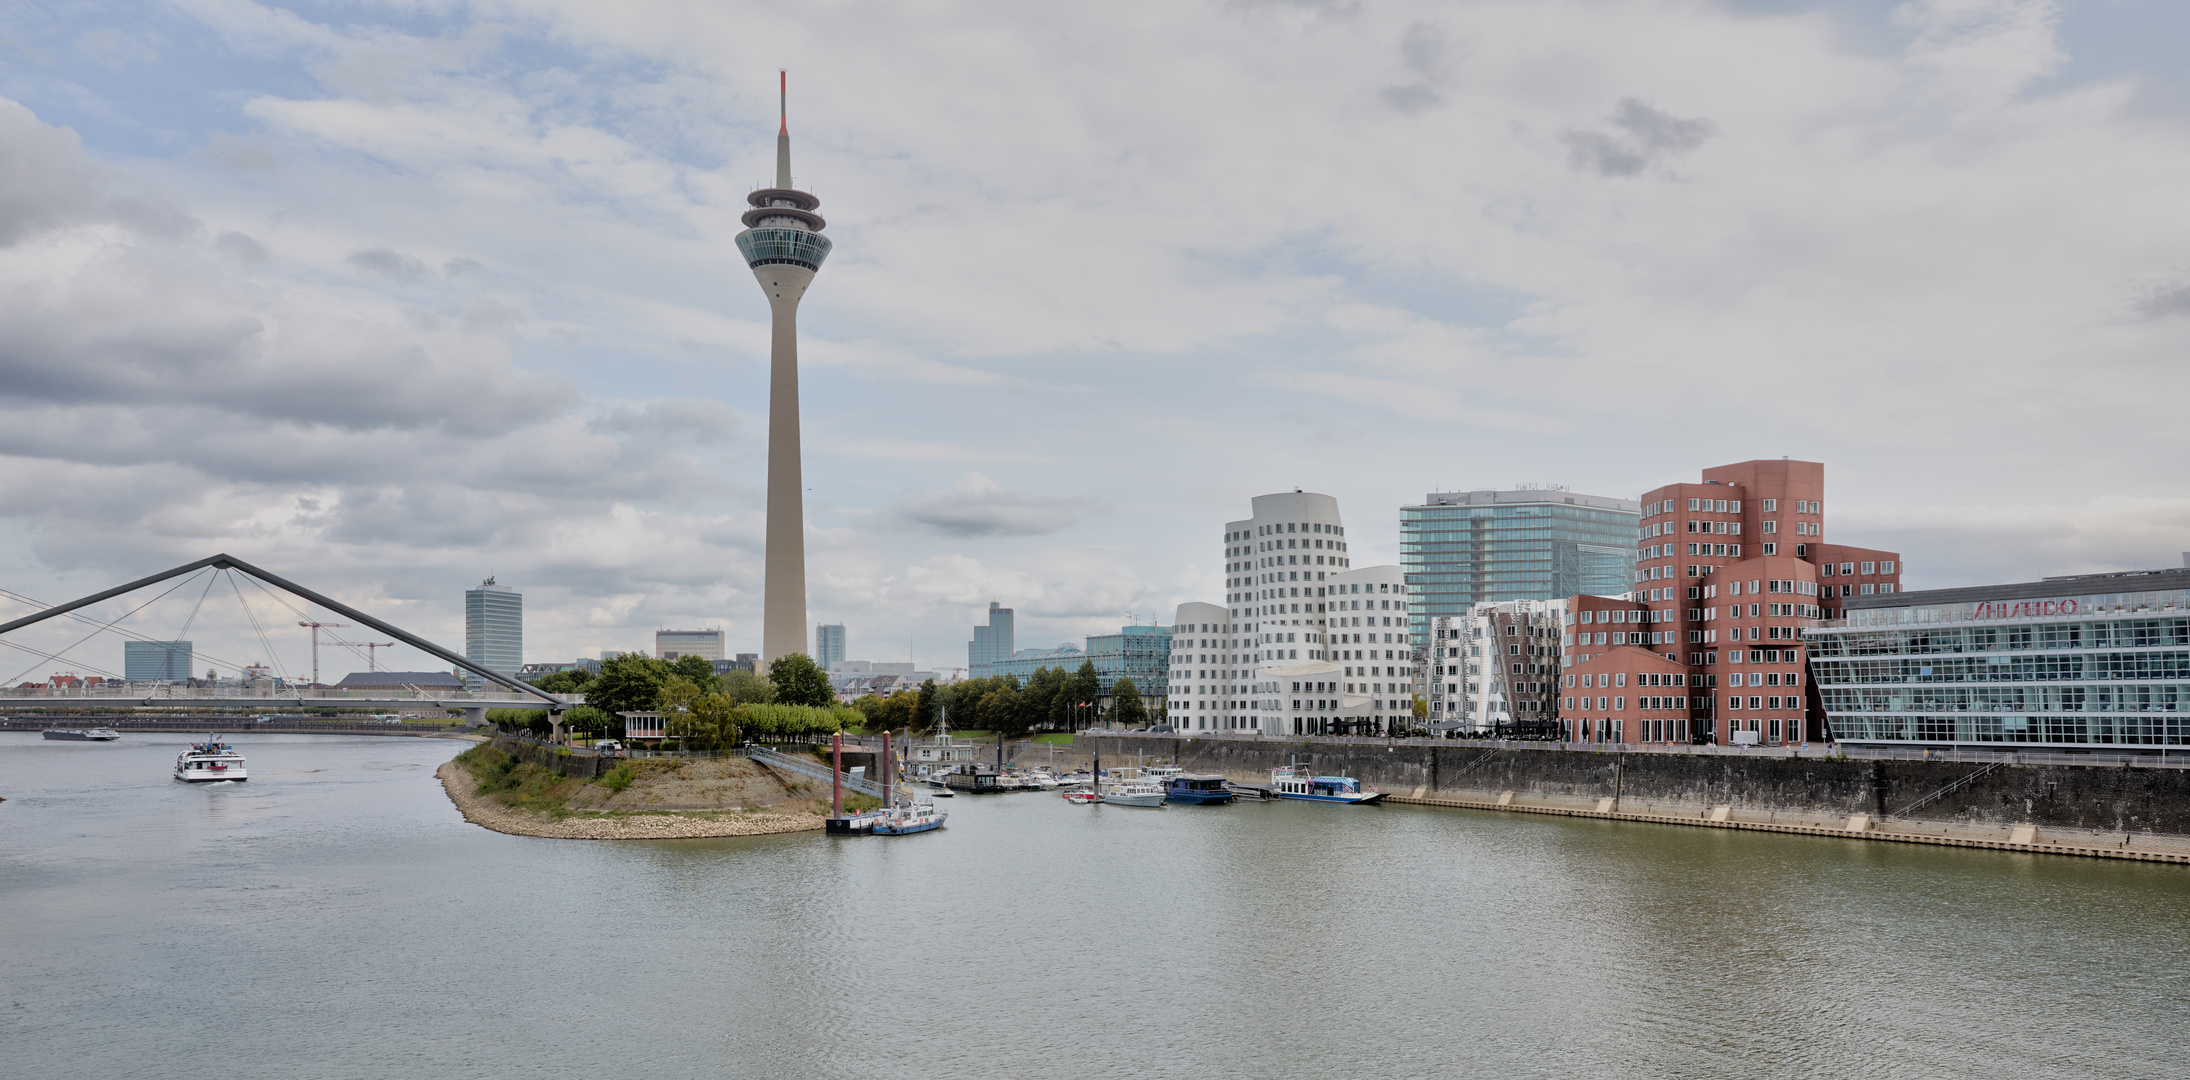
x,y
2098,797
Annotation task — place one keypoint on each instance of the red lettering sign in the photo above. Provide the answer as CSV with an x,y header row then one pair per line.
x,y
2022,609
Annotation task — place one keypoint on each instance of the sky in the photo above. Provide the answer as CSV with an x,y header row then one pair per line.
x,y
390,297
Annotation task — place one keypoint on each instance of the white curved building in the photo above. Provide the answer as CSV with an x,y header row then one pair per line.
x,y
1273,657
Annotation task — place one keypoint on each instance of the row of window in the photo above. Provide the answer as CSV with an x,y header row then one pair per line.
x,y
1288,527
2055,667
2110,634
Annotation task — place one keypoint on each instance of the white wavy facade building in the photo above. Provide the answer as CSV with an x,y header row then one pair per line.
x,y
1305,643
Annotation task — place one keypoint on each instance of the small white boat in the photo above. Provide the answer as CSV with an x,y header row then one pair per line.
x,y
97,734
906,820
209,761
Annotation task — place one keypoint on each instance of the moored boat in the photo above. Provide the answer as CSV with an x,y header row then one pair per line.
x,y
97,734
1132,793
209,761
906,820
1294,782
1082,798
1199,789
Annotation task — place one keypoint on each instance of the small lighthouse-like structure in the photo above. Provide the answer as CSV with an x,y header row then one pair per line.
x,y
783,244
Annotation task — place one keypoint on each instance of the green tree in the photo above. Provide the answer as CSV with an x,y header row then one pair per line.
x,y
799,682
746,688
566,681
1076,703
924,705
698,669
1126,706
999,711
1040,696
627,683
708,721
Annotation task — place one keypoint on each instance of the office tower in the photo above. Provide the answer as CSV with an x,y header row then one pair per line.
x,y
783,245
156,661
829,644
1731,570
494,629
1465,547
990,643
671,644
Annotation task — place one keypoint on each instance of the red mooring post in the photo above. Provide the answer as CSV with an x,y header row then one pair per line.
x,y
836,775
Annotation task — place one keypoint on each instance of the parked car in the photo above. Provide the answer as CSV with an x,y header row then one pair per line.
x,y
608,746
1162,728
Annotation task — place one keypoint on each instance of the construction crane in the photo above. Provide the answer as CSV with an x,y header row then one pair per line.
x,y
315,646
369,646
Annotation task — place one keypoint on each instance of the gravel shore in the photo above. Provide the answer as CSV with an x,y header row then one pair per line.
x,y
485,812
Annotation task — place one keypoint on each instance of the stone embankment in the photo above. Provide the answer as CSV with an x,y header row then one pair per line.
x,y
2109,810
484,811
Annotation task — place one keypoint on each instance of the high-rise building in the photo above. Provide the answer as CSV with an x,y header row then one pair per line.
x,y
1463,548
783,245
1731,571
671,644
494,629
990,643
1283,654
156,661
829,645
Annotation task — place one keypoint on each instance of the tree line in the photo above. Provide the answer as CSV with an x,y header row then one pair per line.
x,y
1051,699
700,708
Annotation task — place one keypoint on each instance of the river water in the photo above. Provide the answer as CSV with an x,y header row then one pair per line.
x,y
335,917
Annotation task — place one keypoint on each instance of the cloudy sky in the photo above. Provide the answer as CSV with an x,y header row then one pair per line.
x,y
392,296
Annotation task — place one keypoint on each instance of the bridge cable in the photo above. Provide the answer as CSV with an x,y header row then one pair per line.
x,y
107,626
274,661
302,614
121,630
208,591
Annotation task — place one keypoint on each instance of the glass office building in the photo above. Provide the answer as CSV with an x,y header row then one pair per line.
x,y
990,644
156,661
1459,549
494,629
2077,663
829,644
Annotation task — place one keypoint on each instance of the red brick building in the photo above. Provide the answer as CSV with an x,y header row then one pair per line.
x,y
1727,571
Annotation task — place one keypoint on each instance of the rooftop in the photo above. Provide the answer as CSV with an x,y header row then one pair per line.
x,y
2078,585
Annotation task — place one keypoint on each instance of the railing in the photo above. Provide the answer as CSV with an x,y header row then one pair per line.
x,y
810,768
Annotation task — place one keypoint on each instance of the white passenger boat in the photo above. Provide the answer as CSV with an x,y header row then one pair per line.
x,y
97,734
209,761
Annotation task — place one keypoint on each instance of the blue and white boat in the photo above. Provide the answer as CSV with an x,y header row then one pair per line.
x,y
906,820
1199,789
1293,782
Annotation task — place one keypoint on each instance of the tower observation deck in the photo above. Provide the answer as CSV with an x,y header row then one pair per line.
x,y
783,245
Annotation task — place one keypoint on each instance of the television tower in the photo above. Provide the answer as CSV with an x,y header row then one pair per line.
x,y
783,244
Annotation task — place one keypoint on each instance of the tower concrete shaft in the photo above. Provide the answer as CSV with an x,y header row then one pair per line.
x,y
783,245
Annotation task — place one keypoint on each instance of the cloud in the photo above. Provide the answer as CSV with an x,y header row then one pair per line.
x,y
1425,51
392,265
2165,301
44,180
1647,135
238,152
975,505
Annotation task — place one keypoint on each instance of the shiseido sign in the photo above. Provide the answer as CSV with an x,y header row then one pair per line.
x,y
2026,609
